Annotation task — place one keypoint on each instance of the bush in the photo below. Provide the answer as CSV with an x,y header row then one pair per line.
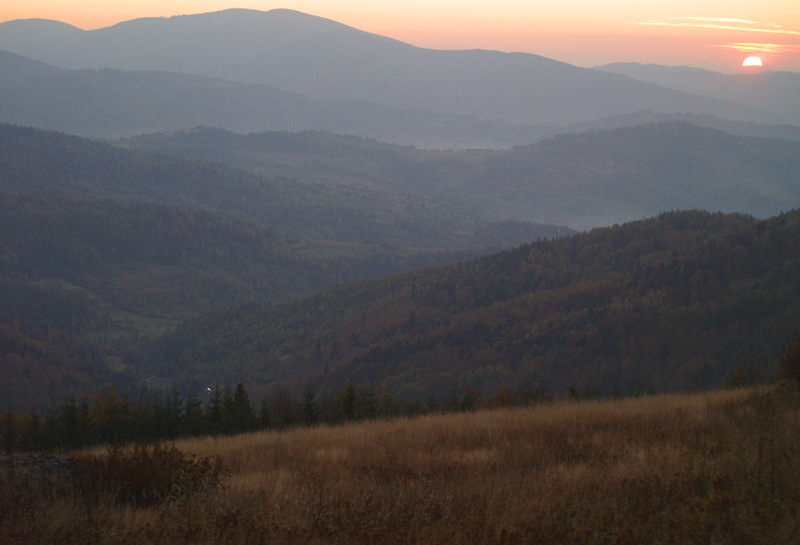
x,y
145,475
790,364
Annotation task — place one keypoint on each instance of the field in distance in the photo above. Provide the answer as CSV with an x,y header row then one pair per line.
x,y
719,467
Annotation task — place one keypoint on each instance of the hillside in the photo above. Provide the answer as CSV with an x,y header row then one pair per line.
x,y
145,259
160,261
100,247
16,70
739,128
327,60
36,160
685,300
81,278
690,469
40,369
583,180
635,172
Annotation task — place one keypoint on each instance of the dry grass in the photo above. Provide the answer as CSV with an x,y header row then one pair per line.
x,y
711,468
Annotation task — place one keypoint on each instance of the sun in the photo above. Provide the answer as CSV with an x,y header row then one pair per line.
x,y
752,61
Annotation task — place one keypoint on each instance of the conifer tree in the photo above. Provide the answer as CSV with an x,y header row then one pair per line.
x,y
192,422
309,407
213,414
242,416
347,401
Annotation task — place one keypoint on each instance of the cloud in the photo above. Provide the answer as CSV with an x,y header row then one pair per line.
x,y
722,23
715,20
766,49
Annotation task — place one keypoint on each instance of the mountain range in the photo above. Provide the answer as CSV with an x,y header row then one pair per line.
x,y
91,218
582,180
261,169
112,103
45,161
293,71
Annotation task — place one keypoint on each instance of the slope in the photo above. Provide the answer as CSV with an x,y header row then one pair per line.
x,y
35,160
739,128
15,70
81,278
582,180
40,371
684,300
162,262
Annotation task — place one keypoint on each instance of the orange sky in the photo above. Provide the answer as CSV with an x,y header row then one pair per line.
x,y
706,33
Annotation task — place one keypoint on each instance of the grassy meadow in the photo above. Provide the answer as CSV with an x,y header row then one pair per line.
x,y
720,467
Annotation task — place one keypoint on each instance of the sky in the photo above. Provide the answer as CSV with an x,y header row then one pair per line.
x,y
714,34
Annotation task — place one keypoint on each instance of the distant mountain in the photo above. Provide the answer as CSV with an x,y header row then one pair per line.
x,y
327,60
15,70
26,33
581,180
775,92
629,173
739,128
684,300
111,103
36,160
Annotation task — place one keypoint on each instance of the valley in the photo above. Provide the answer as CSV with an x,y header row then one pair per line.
x,y
266,277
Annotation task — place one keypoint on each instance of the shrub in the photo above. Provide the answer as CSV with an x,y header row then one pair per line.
x,y
145,475
790,364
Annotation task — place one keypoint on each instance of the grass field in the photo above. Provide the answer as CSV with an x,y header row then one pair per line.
x,y
721,467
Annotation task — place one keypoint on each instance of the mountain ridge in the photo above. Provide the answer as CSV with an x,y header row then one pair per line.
x,y
111,103
628,172
37,160
775,91
325,59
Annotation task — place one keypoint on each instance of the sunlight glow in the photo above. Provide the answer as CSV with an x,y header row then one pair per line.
x,y
706,33
752,61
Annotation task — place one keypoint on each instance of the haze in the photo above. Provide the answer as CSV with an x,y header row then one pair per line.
x,y
712,34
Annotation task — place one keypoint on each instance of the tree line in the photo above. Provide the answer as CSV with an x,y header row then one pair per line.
x,y
113,419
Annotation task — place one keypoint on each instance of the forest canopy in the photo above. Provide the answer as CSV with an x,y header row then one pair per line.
x,y
684,300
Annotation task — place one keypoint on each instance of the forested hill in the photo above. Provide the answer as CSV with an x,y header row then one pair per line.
x,y
163,261
684,300
37,160
39,370
585,180
79,278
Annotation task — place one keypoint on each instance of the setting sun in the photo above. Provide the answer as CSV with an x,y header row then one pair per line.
x,y
707,34
752,61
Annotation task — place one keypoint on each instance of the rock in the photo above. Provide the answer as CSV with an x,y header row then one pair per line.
x,y
38,464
